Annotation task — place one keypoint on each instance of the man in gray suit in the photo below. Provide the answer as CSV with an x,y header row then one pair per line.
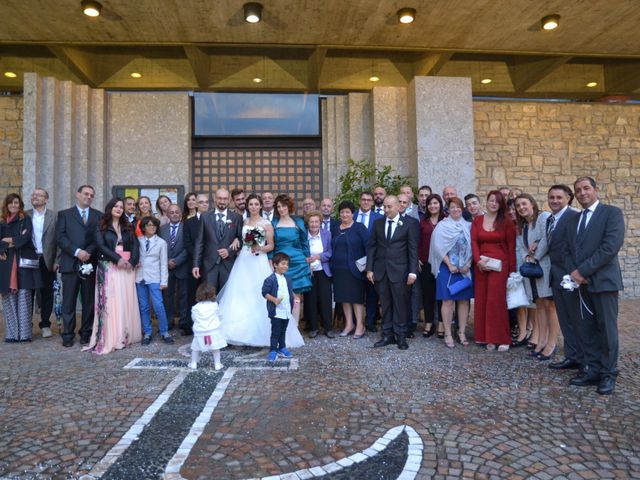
x,y
217,242
567,303
179,269
44,239
596,236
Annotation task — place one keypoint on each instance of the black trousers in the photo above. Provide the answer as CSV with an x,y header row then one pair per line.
x,y
371,305
46,294
179,286
278,333
428,284
599,331
568,310
318,299
217,276
394,299
71,285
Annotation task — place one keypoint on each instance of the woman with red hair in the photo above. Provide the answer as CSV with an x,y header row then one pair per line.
x,y
493,237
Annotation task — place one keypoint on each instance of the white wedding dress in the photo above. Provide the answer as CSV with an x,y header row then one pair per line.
x,y
243,308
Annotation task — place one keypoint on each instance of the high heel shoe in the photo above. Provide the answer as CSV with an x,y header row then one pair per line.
x,y
448,341
463,339
535,354
544,358
520,343
346,334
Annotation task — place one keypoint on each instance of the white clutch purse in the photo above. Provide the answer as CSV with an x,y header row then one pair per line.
x,y
361,263
494,264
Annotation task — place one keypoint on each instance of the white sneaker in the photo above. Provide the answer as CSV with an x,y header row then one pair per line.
x,y
503,348
46,332
193,365
218,366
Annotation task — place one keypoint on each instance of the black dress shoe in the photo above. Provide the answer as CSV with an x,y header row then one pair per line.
x,y
67,343
585,379
384,341
606,386
313,333
566,364
330,334
402,343
411,335
84,341
372,329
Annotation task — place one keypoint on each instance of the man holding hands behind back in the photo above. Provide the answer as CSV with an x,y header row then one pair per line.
x,y
392,265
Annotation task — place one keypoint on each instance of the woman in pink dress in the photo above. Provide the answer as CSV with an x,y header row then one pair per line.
x,y
117,320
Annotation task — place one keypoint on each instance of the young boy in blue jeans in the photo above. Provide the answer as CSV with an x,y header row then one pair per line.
x,y
278,292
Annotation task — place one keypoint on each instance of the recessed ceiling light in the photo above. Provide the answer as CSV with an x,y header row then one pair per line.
x,y
592,84
550,22
257,80
486,81
136,75
91,8
374,78
406,15
10,74
252,12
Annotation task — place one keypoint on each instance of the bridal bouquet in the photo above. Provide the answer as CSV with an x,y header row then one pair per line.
x,y
254,236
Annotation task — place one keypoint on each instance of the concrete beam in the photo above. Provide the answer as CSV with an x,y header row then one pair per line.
x,y
525,72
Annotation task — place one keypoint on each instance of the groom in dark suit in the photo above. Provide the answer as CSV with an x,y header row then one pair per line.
x,y
217,243
596,236
392,264
75,232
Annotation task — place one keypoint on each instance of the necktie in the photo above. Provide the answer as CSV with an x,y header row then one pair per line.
x,y
146,245
390,222
220,225
379,210
84,217
361,219
325,225
583,222
268,214
550,224
174,228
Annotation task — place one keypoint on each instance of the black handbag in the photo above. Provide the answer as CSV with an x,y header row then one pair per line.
x,y
530,269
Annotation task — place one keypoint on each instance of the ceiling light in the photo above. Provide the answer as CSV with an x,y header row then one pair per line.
x,y
406,15
257,80
91,8
252,12
486,81
592,84
136,75
10,74
374,78
550,22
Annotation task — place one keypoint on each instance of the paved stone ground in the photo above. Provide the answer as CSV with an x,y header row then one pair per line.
x,y
480,414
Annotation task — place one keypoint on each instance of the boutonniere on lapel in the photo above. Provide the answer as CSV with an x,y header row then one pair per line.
x,y
229,223
399,223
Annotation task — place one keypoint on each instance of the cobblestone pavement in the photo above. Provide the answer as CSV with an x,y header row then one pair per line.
x,y
479,414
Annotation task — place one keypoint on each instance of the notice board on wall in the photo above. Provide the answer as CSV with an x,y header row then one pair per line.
x,y
174,192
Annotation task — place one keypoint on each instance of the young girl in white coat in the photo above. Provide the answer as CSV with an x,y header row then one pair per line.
x,y
207,335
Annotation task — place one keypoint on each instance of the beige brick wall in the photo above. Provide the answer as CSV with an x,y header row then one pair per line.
x,y
10,145
532,145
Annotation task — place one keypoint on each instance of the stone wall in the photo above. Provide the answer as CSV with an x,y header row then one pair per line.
x,y
534,145
10,145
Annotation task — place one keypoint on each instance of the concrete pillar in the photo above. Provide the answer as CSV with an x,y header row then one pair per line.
x,y
441,138
390,141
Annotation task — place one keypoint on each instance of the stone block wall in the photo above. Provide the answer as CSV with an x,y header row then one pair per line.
x,y
11,112
534,145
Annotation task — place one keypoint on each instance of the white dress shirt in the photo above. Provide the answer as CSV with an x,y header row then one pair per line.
x,y
315,248
38,229
283,309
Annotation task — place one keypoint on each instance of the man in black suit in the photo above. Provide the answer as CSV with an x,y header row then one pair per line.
x,y
46,243
75,232
567,302
179,269
190,233
392,264
217,242
596,236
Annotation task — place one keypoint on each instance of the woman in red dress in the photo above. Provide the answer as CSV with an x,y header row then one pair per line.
x,y
493,235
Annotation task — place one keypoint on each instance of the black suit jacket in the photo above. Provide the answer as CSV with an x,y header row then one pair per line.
x,y
178,252
557,246
108,240
72,234
595,253
205,251
396,258
190,233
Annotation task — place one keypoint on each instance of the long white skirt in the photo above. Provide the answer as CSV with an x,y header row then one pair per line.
x,y
243,308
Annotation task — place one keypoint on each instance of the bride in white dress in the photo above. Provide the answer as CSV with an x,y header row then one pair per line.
x,y
242,306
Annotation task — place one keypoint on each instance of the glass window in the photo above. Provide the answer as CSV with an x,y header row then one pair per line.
x,y
256,114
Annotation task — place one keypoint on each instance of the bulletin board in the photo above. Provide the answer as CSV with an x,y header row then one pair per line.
x,y
174,192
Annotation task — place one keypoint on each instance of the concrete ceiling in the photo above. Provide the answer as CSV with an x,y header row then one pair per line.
x,y
327,45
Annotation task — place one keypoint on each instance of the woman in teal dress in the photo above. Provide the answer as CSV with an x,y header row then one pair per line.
x,y
290,237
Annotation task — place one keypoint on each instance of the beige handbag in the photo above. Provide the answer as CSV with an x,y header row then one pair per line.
x,y
494,264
